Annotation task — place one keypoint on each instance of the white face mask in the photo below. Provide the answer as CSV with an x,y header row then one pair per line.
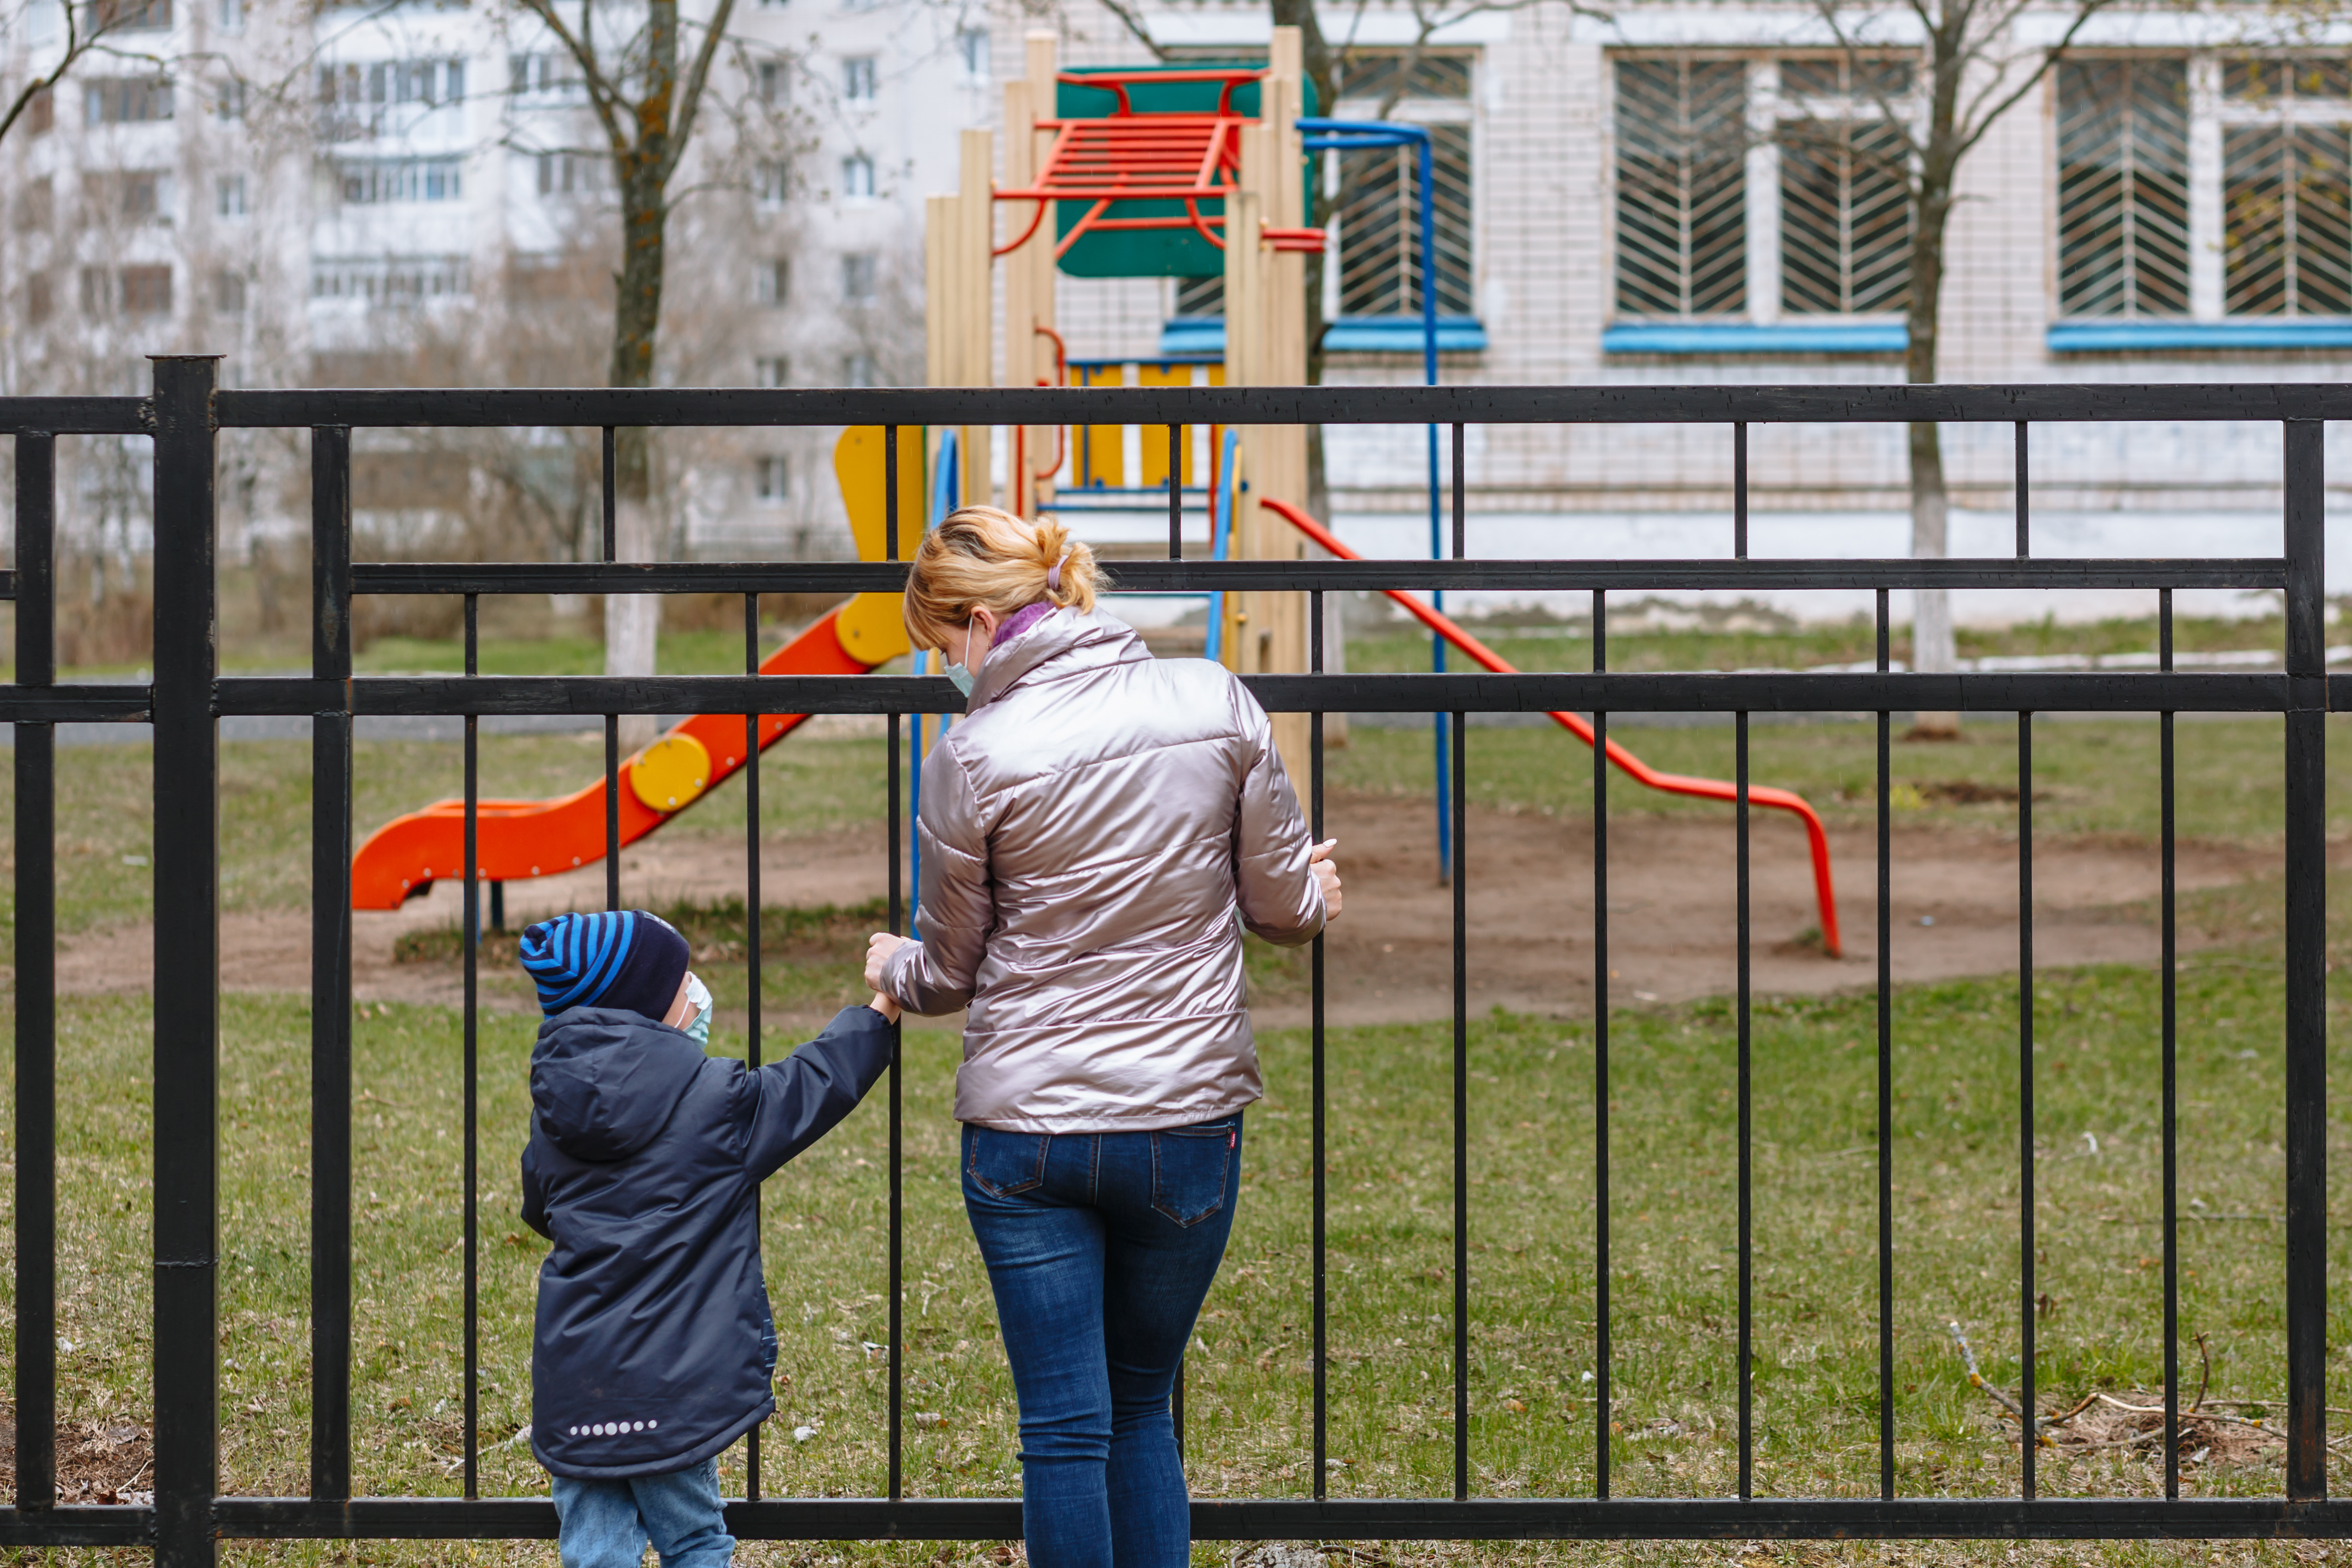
x,y
961,677
698,996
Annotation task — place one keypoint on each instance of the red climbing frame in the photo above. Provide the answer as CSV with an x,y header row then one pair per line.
x,y
1125,156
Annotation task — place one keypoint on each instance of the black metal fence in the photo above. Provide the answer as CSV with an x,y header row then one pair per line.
x,y
188,696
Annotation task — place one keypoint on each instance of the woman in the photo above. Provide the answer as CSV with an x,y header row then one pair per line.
x,y
1097,831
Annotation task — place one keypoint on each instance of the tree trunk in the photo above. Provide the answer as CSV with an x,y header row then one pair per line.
x,y
633,621
1931,608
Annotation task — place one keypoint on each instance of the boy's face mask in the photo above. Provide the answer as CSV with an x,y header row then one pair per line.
x,y
698,996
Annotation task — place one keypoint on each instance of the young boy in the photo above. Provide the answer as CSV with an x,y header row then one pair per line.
x,y
654,1349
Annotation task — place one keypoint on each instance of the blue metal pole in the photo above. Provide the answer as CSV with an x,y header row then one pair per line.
x,y
1221,531
1436,535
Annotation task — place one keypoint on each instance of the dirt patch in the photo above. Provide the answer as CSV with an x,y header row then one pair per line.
x,y
95,1464
1673,925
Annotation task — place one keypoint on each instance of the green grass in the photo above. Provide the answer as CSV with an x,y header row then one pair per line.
x,y
1762,638
106,808
1390,1251
2090,777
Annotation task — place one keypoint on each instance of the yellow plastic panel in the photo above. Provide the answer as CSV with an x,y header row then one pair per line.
x,y
671,774
857,464
1101,457
1155,436
872,628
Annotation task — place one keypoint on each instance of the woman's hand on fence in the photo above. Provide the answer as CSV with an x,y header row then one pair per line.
x,y
1326,875
878,949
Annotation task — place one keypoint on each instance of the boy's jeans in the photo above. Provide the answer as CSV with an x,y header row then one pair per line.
x,y
605,1524
1100,1248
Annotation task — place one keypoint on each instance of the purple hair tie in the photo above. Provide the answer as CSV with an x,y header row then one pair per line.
x,y
1054,575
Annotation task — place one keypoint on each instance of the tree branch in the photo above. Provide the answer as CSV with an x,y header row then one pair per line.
x,y
1133,22
1968,139
696,78
76,46
602,95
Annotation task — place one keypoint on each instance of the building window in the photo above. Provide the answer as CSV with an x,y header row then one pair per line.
x,y
122,101
147,291
231,14
379,183
771,183
772,481
2258,223
1380,266
228,292
1682,195
143,197
2123,187
37,204
1788,166
389,280
1845,220
774,83
772,371
857,176
41,300
41,114
857,270
1200,297
857,78
130,16
228,99
570,173
228,195
971,46
772,282
542,76
859,370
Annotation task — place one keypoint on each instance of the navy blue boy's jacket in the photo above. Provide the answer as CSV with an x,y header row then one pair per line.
x,y
654,1348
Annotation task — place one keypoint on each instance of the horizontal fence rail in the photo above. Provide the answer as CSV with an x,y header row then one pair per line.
x,y
188,695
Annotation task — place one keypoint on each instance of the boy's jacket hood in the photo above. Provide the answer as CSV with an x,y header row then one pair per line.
x,y
605,1081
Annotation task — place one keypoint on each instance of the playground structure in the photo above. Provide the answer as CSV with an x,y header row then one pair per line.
x,y
1183,172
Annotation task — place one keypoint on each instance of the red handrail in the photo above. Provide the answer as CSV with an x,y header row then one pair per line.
x,y
1816,836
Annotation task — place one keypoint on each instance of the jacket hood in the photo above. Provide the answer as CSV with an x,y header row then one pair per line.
x,y
1108,641
606,1081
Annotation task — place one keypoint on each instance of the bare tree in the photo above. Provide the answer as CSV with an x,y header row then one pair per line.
x,y
647,112
1972,71
87,29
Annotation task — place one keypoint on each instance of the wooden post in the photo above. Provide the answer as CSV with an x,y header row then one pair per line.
x,y
1035,260
1021,339
975,239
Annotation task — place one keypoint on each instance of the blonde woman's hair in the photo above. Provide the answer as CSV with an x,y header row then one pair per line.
x,y
984,559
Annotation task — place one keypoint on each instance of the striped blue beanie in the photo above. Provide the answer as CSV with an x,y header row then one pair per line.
x,y
627,959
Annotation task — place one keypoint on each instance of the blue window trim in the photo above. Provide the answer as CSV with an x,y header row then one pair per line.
x,y
2143,337
1749,337
1187,336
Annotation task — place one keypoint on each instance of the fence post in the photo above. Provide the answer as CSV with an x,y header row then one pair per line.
x,y
331,967
2306,964
36,983
187,967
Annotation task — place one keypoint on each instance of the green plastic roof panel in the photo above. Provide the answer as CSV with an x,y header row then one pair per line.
x,y
1149,252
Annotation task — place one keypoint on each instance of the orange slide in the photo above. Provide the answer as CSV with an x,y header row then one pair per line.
x,y
1817,839
518,839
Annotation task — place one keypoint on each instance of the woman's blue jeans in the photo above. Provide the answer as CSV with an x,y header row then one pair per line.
x,y
1101,1247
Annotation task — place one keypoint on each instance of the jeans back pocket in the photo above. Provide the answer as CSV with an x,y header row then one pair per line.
x,y
1188,1167
1003,1163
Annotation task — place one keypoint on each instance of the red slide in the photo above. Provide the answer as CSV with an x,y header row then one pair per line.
x,y
1642,772
521,838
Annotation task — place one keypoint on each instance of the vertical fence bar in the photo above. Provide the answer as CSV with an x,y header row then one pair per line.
x,y
2307,962
751,896
2169,955
2030,1442
36,983
1460,500
897,1033
611,500
1461,1108
2024,513
1747,1101
331,968
473,951
1315,1003
1600,1059
1175,491
1886,1080
187,964
1739,490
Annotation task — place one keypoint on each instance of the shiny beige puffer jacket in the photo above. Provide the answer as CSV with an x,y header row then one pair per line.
x,y
1097,831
